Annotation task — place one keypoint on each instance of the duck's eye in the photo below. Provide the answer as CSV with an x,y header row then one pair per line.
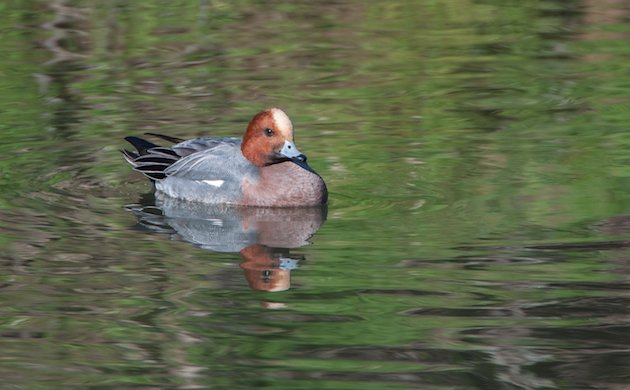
x,y
268,132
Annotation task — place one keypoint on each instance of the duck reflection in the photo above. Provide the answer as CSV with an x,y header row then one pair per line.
x,y
262,236
266,270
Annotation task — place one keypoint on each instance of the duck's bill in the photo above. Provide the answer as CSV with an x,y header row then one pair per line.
x,y
290,151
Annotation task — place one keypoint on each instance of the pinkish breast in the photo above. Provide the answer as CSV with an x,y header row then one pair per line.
x,y
285,185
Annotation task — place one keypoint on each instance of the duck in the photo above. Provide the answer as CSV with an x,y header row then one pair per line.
x,y
263,169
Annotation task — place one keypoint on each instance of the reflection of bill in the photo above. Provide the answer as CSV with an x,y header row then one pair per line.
x,y
262,236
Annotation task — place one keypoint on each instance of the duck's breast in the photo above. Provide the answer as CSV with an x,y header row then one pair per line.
x,y
284,185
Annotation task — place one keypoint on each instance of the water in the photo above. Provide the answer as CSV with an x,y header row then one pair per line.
x,y
478,230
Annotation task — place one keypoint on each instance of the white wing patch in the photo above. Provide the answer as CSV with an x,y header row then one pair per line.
x,y
214,183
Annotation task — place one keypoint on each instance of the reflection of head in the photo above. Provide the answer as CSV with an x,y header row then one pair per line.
x,y
265,271
268,280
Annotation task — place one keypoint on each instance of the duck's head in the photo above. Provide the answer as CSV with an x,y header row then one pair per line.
x,y
269,139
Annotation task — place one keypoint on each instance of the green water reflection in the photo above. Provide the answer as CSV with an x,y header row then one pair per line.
x,y
479,221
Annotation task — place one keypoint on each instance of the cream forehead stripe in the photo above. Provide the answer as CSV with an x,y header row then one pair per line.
x,y
282,121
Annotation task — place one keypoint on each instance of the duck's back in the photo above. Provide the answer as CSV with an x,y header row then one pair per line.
x,y
212,173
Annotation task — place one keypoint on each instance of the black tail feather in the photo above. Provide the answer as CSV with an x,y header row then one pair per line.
x,y
154,175
140,144
129,155
150,168
150,159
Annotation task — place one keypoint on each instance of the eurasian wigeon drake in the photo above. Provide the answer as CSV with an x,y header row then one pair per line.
x,y
264,169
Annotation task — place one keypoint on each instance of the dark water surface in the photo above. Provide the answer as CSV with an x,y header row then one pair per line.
x,y
478,231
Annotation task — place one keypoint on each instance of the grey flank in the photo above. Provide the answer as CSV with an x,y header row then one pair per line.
x,y
212,174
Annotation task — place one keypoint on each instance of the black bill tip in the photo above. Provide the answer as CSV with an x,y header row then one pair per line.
x,y
301,161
